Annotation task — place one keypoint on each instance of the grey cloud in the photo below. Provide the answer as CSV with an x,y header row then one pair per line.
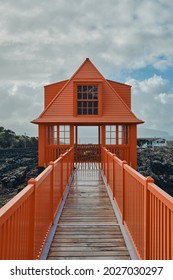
x,y
152,101
43,42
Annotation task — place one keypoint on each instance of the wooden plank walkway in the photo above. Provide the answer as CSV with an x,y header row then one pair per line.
x,y
88,228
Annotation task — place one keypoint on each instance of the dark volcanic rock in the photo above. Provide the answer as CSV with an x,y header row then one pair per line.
x,y
157,167
17,166
157,163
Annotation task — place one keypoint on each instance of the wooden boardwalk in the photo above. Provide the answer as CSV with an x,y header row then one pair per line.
x,y
88,228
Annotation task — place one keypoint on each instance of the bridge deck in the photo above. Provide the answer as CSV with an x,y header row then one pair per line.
x,y
88,228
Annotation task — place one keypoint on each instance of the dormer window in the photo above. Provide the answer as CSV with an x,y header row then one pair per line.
x,y
88,99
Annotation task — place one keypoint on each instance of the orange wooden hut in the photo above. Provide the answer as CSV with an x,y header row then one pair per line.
x,y
87,99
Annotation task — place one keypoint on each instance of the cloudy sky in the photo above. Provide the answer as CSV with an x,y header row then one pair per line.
x,y
129,41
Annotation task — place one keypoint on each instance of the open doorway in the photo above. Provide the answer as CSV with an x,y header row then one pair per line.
x,y
88,135
87,148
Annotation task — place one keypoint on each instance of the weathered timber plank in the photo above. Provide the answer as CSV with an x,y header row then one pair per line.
x,y
87,231
90,258
88,249
89,240
89,253
117,243
94,236
88,228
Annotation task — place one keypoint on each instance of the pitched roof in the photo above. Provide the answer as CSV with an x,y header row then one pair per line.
x,y
60,109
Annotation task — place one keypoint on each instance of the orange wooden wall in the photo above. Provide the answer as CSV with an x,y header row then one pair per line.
x,y
50,91
124,91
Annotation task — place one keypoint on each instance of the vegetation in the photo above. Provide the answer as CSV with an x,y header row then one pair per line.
x,y
8,139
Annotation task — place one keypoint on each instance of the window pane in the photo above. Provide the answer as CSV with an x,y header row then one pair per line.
x,y
79,95
111,134
113,141
84,88
67,134
79,104
61,128
113,128
107,128
61,141
79,111
95,104
107,135
61,134
95,111
95,95
85,96
120,134
66,141
90,111
67,128
90,96
90,88
95,88
79,88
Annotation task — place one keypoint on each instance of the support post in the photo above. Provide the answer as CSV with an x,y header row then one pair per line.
x,y
52,193
61,177
123,186
133,146
31,245
146,218
114,175
42,146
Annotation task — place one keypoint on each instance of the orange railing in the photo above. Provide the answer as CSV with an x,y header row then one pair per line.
x,y
121,151
53,152
25,221
145,209
87,153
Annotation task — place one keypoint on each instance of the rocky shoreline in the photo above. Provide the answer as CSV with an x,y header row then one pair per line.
x,y
157,163
17,166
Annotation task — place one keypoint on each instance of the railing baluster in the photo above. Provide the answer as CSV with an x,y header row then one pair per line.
x,y
29,215
145,209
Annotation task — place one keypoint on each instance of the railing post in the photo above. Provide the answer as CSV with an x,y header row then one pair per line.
x,y
67,162
146,218
52,193
123,188
31,245
61,176
102,159
107,159
114,175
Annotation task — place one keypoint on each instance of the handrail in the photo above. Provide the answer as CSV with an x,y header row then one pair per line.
x,y
26,219
145,209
